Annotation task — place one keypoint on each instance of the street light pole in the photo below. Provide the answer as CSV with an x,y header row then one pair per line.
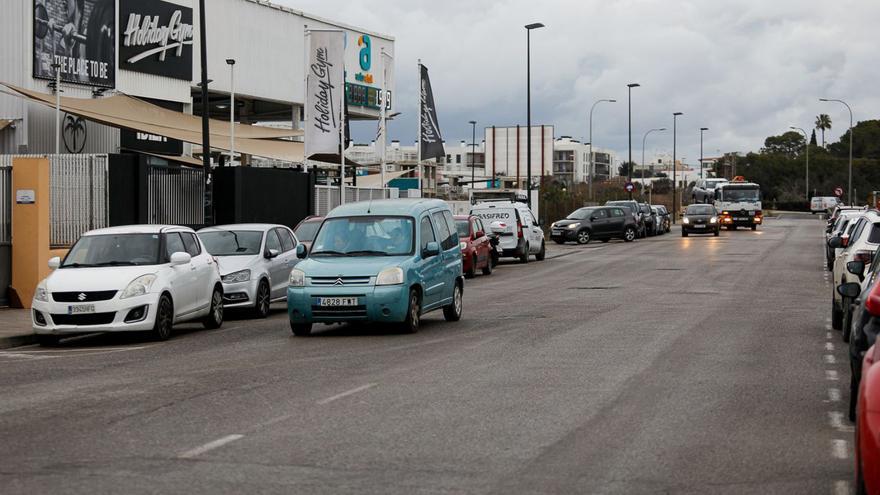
x,y
57,68
807,172
473,124
701,149
849,194
629,166
674,181
644,138
231,63
592,170
206,108
529,28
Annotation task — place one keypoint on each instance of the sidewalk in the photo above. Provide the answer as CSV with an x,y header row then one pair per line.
x,y
15,328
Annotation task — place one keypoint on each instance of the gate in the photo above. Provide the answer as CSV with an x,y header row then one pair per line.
x,y
175,195
5,231
327,197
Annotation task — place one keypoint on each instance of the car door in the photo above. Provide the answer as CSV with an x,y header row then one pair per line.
x,y
432,266
536,235
481,242
183,286
274,265
601,222
285,261
616,221
203,270
451,253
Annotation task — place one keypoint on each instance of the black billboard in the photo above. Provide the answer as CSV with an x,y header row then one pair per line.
x,y
80,37
151,143
156,38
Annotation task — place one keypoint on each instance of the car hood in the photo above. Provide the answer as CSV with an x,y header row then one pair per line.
x,y
229,264
699,217
568,221
356,266
94,279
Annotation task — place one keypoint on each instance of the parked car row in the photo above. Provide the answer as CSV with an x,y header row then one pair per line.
x,y
853,242
627,220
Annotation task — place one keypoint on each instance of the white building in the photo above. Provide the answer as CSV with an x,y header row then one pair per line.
x,y
571,161
506,152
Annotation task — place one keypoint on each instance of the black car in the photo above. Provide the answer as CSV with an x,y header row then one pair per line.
x,y
650,218
633,207
700,219
595,222
664,217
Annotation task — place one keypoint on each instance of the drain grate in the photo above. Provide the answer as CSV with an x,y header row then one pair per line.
x,y
669,269
596,287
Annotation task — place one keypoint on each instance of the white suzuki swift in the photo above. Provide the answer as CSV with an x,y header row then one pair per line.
x,y
129,279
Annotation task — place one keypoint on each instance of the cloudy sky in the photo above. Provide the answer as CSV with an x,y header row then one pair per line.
x,y
744,68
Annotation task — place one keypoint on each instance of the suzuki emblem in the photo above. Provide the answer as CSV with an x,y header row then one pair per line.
x,y
82,296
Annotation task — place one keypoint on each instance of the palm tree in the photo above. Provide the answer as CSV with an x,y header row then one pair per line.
x,y
823,123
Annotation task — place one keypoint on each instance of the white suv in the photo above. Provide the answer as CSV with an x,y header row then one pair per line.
x,y
124,279
519,233
859,245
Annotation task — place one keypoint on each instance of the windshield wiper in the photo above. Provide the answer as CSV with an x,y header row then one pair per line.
x,y
116,263
77,265
339,253
367,252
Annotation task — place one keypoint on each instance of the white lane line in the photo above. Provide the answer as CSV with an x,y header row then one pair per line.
x,y
830,359
834,394
839,449
828,335
346,393
828,326
831,375
841,487
829,346
189,454
835,418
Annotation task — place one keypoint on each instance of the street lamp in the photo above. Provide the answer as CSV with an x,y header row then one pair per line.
x,y
473,124
529,28
849,194
609,100
231,63
807,172
629,167
645,137
701,149
674,199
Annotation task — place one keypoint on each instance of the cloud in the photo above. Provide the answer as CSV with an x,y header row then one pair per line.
x,y
746,68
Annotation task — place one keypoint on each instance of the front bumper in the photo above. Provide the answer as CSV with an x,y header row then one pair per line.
x,y
239,294
707,228
109,316
564,234
741,220
387,303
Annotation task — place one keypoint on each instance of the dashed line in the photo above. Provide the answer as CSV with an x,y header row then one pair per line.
x,y
839,449
841,487
834,394
828,335
831,375
189,454
829,346
346,393
835,418
830,359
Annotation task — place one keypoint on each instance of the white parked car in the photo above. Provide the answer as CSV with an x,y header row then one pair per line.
x,y
704,189
519,233
255,262
823,204
128,279
861,241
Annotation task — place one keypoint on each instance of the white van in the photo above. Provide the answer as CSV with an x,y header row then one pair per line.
x,y
519,233
823,204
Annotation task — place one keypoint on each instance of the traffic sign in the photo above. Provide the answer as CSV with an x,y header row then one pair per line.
x,y
838,191
629,187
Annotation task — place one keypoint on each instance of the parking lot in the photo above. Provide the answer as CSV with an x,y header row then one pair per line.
x,y
670,364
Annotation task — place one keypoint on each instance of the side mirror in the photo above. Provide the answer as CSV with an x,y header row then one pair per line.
x,y
593,218
856,268
271,253
835,242
850,290
479,234
301,251
180,258
54,263
432,249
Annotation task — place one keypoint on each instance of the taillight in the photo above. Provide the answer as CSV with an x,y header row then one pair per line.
x,y
872,303
844,241
519,232
863,255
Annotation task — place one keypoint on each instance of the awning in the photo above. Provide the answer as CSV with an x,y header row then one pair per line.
x,y
375,180
186,160
290,151
4,123
126,108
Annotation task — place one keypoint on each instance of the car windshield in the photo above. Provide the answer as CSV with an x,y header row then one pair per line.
x,y
737,194
580,213
365,236
306,231
113,250
712,184
463,228
232,242
700,210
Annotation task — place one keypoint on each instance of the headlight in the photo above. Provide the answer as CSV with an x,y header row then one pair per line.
x,y
462,245
574,225
138,286
553,225
390,276
297,278
713,220
41,294
685,220
239,276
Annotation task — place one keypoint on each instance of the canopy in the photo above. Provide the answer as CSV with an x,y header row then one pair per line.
x,y
4,123
375,180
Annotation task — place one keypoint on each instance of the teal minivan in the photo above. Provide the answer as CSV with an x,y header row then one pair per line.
x,y
379,261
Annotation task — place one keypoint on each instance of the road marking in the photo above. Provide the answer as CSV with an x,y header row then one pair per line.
x,y
841,487
834,394
189,454
835,418
831,375
829,346
828,326
839,449
830,359
346,393
828,335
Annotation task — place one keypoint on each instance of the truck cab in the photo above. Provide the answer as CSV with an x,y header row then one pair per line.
x,y
739,204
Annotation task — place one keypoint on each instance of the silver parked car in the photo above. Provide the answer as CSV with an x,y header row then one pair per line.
x,y
255,262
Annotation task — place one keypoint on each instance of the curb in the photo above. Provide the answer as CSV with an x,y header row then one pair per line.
x,y
17,340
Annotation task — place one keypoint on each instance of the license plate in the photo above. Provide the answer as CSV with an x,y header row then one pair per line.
x,y
81,309
699,226
740,219
337,301
556,232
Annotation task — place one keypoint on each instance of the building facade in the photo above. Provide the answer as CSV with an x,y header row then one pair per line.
x,y
571,161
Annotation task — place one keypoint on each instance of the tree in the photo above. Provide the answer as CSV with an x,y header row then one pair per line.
x,y
823,123
788,144
866,141
813,138
623,171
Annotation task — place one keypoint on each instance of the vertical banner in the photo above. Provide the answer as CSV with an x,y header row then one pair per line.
x,y
324,92
385,103
430,140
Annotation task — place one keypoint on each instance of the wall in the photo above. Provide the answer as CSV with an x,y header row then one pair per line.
x,y
506,150
245,194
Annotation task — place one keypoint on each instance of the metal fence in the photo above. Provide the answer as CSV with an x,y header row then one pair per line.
x,y
327,197
175,195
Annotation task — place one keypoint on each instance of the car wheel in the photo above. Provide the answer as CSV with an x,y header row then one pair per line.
x,y
48,340
494,258
542,253
413,312
453,311
836,317
301,329
629,234
524,258
215,315
473,269
164,318
847,320
261,307
583,237
487,270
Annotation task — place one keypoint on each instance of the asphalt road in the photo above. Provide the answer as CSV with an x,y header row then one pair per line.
x,y
669,365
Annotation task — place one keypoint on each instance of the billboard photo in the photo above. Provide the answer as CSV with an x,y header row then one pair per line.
x,y
78,35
